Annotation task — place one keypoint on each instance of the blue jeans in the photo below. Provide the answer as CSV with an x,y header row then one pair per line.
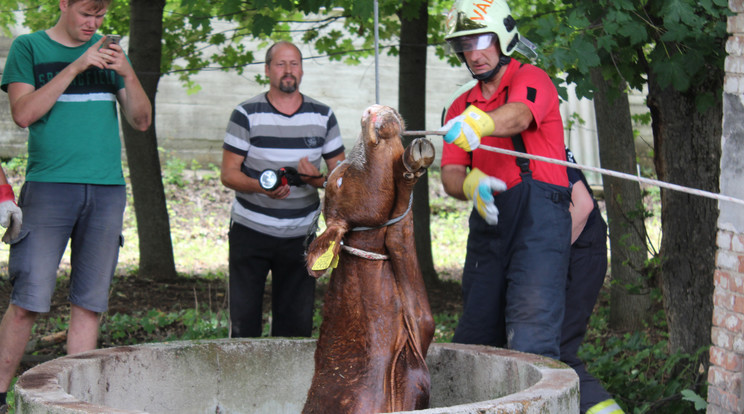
x,y
88,215
514,278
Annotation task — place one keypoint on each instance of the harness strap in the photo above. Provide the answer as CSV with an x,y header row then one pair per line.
x,y
522,163
517,141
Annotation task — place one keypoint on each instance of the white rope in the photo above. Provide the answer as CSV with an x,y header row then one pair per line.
x,y
364,254
603,171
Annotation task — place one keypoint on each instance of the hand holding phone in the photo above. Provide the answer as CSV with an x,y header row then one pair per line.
x,y
110,38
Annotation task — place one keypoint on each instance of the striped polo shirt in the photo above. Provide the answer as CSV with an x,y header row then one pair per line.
x,y
268,138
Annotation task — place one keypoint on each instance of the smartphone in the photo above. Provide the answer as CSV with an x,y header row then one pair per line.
x,y
110,38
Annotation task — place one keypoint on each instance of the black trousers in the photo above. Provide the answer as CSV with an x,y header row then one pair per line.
x,y
586,273
514,279
252,256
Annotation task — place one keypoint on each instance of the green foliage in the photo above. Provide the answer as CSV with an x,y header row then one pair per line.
x,y
11,396
639,370
173,169
647,211
154,325
697,400
43,14
444,326
7,15
16,166
678,40
642,375
203,325
573,120
272,20
204,35
642,119
449,226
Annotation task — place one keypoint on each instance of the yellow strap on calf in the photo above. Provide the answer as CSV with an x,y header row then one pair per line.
x,y
327,259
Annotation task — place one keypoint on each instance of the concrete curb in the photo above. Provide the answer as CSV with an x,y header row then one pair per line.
x,y
273,376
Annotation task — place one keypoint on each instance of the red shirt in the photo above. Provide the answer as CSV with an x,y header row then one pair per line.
x,y
531,86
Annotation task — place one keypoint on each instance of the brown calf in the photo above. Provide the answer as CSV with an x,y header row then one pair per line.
x,y
377,324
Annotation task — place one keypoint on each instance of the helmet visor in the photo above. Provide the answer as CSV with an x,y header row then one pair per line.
x,y
471,42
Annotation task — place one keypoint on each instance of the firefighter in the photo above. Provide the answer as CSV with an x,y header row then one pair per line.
x,y
519,244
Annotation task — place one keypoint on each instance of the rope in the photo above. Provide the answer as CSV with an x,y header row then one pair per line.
x,y
603,171
391,221
376,256
364,254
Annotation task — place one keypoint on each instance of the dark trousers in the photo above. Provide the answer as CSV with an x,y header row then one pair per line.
x,y
252,256
586,273
515,272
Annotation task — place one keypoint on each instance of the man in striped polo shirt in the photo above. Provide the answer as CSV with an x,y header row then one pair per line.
x,y
268,228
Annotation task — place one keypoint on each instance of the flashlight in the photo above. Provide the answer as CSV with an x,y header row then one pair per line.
x,y
271,179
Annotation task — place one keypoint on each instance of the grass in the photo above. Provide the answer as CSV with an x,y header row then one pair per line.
x,y
449,229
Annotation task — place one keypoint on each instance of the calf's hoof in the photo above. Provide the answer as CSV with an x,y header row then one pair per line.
x,y
418,157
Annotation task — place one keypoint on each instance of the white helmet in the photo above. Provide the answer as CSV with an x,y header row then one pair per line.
x,y
476,17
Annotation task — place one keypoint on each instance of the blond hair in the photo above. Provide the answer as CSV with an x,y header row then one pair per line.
x,y
98,4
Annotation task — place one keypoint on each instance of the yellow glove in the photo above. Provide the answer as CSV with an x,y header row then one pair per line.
x,y
479,187
467,129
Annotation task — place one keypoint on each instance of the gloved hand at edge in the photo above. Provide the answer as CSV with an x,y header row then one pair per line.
x,y
467,129
11,216
479,188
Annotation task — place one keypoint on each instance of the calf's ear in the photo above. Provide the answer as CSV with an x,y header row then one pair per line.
x,y
322,254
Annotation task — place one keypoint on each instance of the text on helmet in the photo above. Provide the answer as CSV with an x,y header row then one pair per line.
x,y
481,9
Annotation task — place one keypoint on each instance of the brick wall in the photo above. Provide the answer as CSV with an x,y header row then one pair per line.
x,y
726,374
727,352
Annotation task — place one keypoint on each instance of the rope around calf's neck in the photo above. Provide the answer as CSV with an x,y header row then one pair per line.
x,y
391,221
364,254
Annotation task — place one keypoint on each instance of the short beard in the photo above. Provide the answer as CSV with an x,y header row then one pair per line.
x,y
288,88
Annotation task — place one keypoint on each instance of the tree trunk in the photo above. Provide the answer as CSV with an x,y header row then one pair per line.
x,y
412,107
687,152
153,228
629,308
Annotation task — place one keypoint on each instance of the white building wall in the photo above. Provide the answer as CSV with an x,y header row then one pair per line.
x,y
198,121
